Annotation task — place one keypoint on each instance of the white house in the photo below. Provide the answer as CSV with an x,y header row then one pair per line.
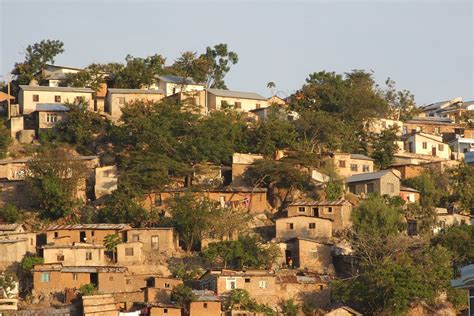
x,y
174,84
466,281
428,145
462,145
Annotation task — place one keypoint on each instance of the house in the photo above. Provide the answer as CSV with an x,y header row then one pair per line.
x,y
83,233
103,304
260,284
11,228
218,99
377,126
381,182
30,96
432,125
466,281
427,144
159,291
276,100
409,195
453,109
281,111
253,200
47,115
309,255
192,101
170,84
52,278
75,254
116,99
303,226
342,311
56,76
462,145
446,218
154,239
130,253
165,310
339,211
206,304
105,180
14,246
348,164
240,163
307,288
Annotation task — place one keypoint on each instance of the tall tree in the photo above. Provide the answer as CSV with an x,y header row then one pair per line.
x,y
220,60
402,102
384,147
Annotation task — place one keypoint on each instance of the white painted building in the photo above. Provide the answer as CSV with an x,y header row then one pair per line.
x,y
428,145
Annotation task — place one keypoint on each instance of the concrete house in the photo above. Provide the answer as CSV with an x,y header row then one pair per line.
x,y
382,182
170,84
14,246
159,291
48,115
462,145
433,125
56,76
304,227
30,96
76,254
218,99
309,255
409,195
116,99
130,253
106,179
259,283
240,163
427,144
83,233
154,239
306,288
206,304
348,164
339,211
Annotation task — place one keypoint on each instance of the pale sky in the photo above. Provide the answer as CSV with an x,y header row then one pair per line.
x,y
426,46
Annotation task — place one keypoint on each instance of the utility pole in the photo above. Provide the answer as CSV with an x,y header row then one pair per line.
x,y
8,87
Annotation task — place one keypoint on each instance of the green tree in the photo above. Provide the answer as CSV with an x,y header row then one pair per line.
x,y
5,139
93,76
110,242
189,65
182,296
88,289
9,213
8,282
432,185
460,241
220,60
402,103
290,308
384,147
29,261
461,180
138,72
54,177
37,56
121,207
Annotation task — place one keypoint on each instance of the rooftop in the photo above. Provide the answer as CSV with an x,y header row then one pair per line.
x,y
136,91
371,175
319,203
89,226
55,89
9,227
51,107
177,79
361,157
236,94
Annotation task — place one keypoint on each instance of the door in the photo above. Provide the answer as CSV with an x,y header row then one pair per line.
x,y
288,258
94,279
82,236
315,212
433,151
155,242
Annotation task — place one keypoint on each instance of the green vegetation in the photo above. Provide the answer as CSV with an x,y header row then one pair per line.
x,y
9,213
239,299
182,296
8,282
110,242
88,289
29,261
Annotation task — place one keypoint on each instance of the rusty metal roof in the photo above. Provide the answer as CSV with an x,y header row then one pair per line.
x,y
9,227
89,226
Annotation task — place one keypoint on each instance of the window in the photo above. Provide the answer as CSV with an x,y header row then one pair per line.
x,y
425,145
437,130
79,100
155,244
238,105
289,225
56,234
230,283
257,106
391,187
342,163
167,285
302,209
165,311
36,97
354,167
365,168
92,233
135,237
329,209
158,200
51,117
262,284
57,98
121,100
88,255
111,278
247,280
370,188
129,252
440,147
60,257
312,225
352,189
321,287
74,276
128,281
204,305
45,277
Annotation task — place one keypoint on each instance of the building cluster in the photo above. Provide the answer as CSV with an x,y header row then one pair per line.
x,y
133,276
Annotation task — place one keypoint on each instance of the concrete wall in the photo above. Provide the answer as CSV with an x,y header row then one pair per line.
x,y
124,258
58,281
114,108
105,180
205,308
27,105
442,150
343,162
75,255
41,119
340,214
13,250
165,311
322,227
167,238
311,256
16,124
214,103
93,236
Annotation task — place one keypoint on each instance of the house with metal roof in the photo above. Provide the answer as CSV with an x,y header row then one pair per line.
x,y
384,182
175,84
218,99
347,164
116,99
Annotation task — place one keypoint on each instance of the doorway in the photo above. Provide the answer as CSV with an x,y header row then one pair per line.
x,y
82,236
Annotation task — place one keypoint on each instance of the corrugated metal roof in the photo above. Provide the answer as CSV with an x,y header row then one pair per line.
x,y
89,226
368,176
177,79
136,91
51,107
402,188
9,227
361,157
206,295
58,89
236,94
319,203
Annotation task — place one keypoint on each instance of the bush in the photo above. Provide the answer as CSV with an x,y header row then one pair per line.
x,y
88,289
9,213
28,262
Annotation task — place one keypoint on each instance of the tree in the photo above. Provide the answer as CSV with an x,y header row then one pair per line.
x,y
182,296
88,289
290,308
461,180
460,241
29,261
5,139
402,103
93,76
385,147
220,60
138,72
54,178
9,213
8,282
432,185
36,57
189,65
110,242
121,207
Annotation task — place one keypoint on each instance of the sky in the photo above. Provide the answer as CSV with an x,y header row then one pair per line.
x,y
427,47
